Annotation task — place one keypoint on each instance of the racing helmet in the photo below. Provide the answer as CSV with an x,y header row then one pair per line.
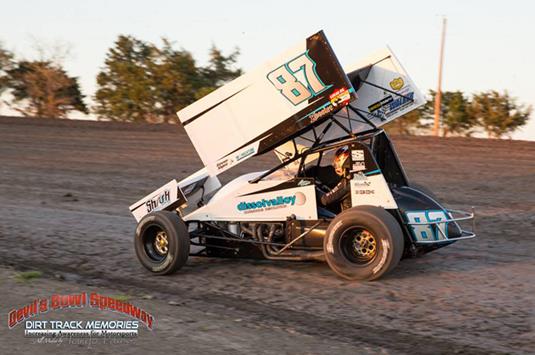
x,y
341,161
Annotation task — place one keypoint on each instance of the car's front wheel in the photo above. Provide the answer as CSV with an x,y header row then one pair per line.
x,y
162,242
363,243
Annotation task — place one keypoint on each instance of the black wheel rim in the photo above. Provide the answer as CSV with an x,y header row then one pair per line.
x,y
358,245
156,243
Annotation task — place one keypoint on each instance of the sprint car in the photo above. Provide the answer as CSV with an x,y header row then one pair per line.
x,y
302,105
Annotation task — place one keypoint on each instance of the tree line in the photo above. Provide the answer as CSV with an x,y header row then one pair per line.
x,y
141,81
497,114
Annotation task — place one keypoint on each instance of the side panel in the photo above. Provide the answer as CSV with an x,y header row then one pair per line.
x,y
263,201
385,90
429,231
177,194
261,109
417,207
368,185
167,197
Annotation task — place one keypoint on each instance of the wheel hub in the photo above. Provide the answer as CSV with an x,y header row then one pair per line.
x,y
161,243
364,244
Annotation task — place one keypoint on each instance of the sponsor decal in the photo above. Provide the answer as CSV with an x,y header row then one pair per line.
x,y
357,155
228,162
358,166
388,105
222,164
245,154
264,204
303,183
386,247
330,246
159,201
397,83
360,177
360,180
340,97
377,105
298,79
358,184
364,192
429,230
336,226
400,102
321,113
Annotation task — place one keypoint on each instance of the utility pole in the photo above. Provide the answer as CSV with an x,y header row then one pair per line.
x,y
436,126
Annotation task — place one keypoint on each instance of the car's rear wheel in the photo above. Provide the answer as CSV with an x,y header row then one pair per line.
x,y
363,243
162,242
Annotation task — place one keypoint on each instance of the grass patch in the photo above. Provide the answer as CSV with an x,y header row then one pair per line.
x,y
122,298
28,276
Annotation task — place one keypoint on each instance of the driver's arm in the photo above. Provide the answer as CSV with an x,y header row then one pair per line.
x,y
338,193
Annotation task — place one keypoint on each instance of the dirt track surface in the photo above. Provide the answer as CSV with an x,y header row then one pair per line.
x,y
65,188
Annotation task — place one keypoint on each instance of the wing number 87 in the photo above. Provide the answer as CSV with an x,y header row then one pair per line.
x,y
285,79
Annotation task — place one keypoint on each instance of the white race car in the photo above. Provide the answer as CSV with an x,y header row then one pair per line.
x,y
303,106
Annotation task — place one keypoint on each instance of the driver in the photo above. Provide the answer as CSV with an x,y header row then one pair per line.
x,y
341,192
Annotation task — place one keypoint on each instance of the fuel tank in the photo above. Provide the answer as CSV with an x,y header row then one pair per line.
x,y
314,238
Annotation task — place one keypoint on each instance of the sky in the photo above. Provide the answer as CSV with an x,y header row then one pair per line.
x,y
489,44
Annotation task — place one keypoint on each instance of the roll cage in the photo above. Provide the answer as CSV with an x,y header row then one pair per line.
x,y
374,138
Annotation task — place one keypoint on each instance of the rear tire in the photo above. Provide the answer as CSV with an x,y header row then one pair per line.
x,y
162,242
363,243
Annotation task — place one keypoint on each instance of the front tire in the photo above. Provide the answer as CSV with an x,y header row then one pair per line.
x,y
363,243
162,242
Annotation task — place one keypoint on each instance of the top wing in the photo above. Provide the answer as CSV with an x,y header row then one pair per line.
x,y
264,108
385,92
